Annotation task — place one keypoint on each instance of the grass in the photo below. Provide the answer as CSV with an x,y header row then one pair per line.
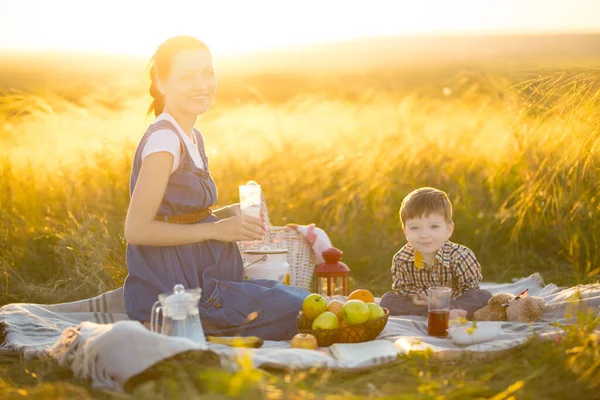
x,y
541,369
516,148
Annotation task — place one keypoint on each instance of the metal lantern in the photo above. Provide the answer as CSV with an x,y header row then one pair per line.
x,y
332,275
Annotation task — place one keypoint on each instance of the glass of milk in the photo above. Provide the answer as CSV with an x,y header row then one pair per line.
x,y
251,199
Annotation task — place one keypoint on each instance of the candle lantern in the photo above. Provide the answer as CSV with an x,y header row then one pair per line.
x,y
332,275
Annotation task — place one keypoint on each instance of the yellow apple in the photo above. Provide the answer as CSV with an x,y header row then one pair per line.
x,y
375,311
335,306
355,312
326,320
313,305
304,341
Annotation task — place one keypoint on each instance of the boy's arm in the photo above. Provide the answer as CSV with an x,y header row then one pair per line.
x,y
402,282
467,273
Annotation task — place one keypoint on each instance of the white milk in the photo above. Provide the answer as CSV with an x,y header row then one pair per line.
x,y
253,211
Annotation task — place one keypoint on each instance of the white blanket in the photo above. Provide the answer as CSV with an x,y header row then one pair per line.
x,y
95,338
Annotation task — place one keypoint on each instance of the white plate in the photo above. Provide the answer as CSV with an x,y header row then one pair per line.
x,y
475,332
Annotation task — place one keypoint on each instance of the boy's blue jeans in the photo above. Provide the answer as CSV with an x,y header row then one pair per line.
x,y
470,301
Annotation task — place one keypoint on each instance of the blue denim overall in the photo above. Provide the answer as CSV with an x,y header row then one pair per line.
x,y
229,304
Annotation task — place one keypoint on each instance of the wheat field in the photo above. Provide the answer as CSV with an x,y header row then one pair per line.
x,y
336,138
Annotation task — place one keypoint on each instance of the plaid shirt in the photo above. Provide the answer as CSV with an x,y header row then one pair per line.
x,y
454,266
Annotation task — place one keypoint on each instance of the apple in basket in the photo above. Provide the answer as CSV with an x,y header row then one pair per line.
x,y
335,306
375,311
326,320
304,341
313,305
355,312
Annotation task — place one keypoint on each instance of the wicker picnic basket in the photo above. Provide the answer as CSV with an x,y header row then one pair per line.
x,y
300,254
347,334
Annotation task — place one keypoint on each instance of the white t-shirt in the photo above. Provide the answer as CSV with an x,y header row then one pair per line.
x,y
167,140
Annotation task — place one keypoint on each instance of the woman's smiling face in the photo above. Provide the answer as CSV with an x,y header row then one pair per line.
x,y
191,84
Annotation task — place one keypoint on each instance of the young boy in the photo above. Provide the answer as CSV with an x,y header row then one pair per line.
x,y
430,259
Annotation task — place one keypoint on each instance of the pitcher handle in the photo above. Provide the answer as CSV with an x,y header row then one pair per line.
x,y
263,258
156,308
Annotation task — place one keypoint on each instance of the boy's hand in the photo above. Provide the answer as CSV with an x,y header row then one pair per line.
x,y
457,313
420,299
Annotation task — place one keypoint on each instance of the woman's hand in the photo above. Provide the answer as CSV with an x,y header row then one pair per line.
x,y
235,209
240,227
228,211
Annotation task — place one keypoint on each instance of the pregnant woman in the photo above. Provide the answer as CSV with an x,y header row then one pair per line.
x,y
172,234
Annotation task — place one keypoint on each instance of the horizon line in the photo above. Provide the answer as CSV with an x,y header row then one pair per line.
x,y
292,46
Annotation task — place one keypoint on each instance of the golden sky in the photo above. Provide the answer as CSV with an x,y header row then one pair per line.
x,y
136,27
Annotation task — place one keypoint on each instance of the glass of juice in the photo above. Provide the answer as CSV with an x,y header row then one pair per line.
x,y
439,310
250,199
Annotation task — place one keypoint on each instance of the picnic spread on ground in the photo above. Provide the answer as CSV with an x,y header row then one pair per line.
x,y
337,329
97,340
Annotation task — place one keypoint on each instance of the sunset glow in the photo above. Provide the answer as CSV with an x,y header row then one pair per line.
x,y
136,27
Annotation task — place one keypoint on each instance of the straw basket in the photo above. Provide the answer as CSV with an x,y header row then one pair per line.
x,y
348,334
300,255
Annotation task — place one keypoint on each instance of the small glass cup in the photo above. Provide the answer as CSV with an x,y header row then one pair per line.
x,y
439,311
251,199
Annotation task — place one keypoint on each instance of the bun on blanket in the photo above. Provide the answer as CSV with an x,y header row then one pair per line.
x,y
525,308
507,307
495,310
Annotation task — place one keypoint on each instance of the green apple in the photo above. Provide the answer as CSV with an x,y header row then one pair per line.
x,y
355,312
326,320
313,305
375,311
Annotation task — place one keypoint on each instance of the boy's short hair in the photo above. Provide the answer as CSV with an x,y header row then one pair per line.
x,y
424,201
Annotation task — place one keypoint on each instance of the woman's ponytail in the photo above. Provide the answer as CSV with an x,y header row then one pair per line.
x,y
158,103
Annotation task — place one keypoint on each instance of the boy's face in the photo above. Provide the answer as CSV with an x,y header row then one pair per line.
x,y
428,233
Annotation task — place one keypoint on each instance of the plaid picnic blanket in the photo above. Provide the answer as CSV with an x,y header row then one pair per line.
x,y
94,336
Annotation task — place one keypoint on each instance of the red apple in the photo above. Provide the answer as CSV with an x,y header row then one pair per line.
x,y
335,306
304,341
